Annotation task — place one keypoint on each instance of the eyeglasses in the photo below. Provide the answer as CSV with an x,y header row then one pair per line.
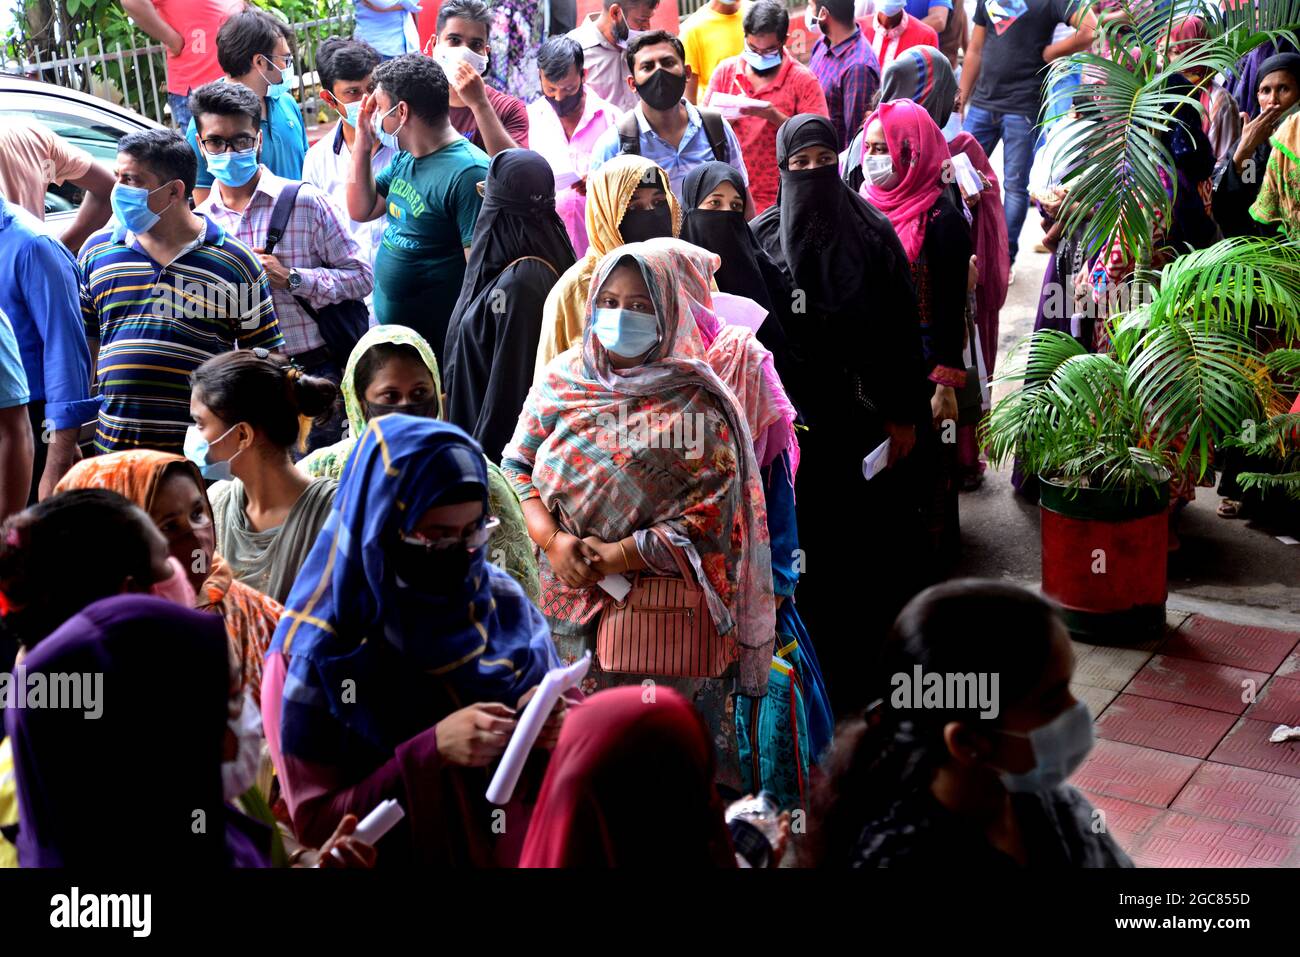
x,y
241,143
473,541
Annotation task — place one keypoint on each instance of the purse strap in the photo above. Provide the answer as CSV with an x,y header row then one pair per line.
x,y
687,574
538,258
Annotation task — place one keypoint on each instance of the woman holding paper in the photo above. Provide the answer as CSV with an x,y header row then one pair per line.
x,y
403,653
520,249
631,449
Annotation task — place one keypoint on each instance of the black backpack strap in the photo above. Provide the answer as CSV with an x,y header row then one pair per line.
x,y
629,134
715,129
281,213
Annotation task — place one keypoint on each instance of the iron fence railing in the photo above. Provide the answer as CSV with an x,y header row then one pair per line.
x,y
136,77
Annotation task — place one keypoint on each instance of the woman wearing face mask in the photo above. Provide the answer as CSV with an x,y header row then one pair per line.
x,y
392,369
249,408
404,653
171,490
628,201
904,162
981,786
609,487
520,249
862,382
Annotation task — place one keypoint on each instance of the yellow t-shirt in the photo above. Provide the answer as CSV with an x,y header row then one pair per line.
x,y
8,802
710,37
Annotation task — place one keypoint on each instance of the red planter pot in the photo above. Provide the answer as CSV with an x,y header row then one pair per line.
x,y
1105,560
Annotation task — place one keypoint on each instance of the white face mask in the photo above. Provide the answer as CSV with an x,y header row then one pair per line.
x,y
879,169
811,22
448,56
1059,747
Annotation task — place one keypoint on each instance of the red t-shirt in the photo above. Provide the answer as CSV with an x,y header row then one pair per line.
x,y
510,110
197,21
915,33
793,90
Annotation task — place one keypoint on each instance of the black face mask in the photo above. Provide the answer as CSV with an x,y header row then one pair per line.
x,y
568,104
428,409
434,571
662,90
638,225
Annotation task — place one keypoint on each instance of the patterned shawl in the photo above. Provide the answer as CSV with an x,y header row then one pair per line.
x,y
614,453
349,623
609,190
1279,197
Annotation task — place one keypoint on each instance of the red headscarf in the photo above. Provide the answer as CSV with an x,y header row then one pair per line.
x,y
630,784
911,135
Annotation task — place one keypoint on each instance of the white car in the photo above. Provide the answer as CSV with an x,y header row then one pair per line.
x,y
86,121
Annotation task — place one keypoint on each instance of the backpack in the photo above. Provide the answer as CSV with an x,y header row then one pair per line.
x,y
341,324
629,134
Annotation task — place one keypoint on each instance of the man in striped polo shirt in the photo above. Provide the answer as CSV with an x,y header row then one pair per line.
x,y
163,290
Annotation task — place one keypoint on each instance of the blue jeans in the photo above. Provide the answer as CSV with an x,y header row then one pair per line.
x,y
180,105
989,129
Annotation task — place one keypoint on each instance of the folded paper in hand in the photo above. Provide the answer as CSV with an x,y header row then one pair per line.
x,y
876,460
739,310
566,179
730,104
554,683
965,173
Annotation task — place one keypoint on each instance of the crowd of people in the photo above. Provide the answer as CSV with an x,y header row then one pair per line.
x,y
660,352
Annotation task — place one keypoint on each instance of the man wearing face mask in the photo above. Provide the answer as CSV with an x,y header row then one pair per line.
x,y
491,120
604,38
315,263
345,68
843,63
164,290
664,128
564,126
763,71
891,30
255,50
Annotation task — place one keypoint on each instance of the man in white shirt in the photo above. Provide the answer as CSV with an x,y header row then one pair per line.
x,y
345,66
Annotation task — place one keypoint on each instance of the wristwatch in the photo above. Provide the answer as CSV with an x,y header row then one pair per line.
x,y
295,279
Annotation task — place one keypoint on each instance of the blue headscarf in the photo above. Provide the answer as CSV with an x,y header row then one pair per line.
x,y
370,654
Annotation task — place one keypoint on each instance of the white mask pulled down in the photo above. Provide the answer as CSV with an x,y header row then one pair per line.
x,y
448,56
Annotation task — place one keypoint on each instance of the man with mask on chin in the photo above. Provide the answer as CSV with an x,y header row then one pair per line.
x,y
490,119
664,127
891,30
564,125
765,72
164,289
316,263
604,38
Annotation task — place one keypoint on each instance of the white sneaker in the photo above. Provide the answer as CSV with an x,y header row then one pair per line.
x,y
1011,276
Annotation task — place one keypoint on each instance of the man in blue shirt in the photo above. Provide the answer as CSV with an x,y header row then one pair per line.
x,y
671,131
253,48
40,293
933,13
15,435
382,24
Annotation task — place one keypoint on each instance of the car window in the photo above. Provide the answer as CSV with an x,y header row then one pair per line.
x,y
95,135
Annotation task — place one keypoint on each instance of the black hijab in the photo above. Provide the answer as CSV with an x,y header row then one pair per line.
x,y
517,219
726,233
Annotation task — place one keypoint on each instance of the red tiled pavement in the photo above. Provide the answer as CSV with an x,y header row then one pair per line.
x,y
1127,822
1130,773
1278,702
1186,840
1201,684
1243,796
1247,746
1242,646
1163,725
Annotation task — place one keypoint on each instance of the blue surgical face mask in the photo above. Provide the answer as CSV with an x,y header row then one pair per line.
x,y
1059,748
761,62
131,206
352,112
892,8
287,78
625,332
388,139
232,168
197,449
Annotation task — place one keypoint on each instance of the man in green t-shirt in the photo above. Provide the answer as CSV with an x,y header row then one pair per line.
x,y
429,193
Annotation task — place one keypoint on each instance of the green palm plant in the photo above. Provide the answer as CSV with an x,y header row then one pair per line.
x,y
1121,155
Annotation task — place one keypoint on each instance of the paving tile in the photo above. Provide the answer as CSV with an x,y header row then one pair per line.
x,y
1243,796
1131,773
1247,746
1201,684
1290,667
1126,821
1241,646
1095,698
1164,725
1176,839
1175,619
1103,667
1278,702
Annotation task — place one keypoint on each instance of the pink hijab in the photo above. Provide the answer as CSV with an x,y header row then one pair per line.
x,y
910,132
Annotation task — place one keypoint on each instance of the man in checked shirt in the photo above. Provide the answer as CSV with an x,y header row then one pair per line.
x,y
316,260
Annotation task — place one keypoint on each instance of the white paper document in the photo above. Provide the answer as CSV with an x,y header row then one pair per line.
x,y
616,585
876,460
566,179
554,684
965,172
739,310
729,104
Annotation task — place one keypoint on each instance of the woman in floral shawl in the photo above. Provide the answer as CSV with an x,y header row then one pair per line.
x,y
594,464
391,362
